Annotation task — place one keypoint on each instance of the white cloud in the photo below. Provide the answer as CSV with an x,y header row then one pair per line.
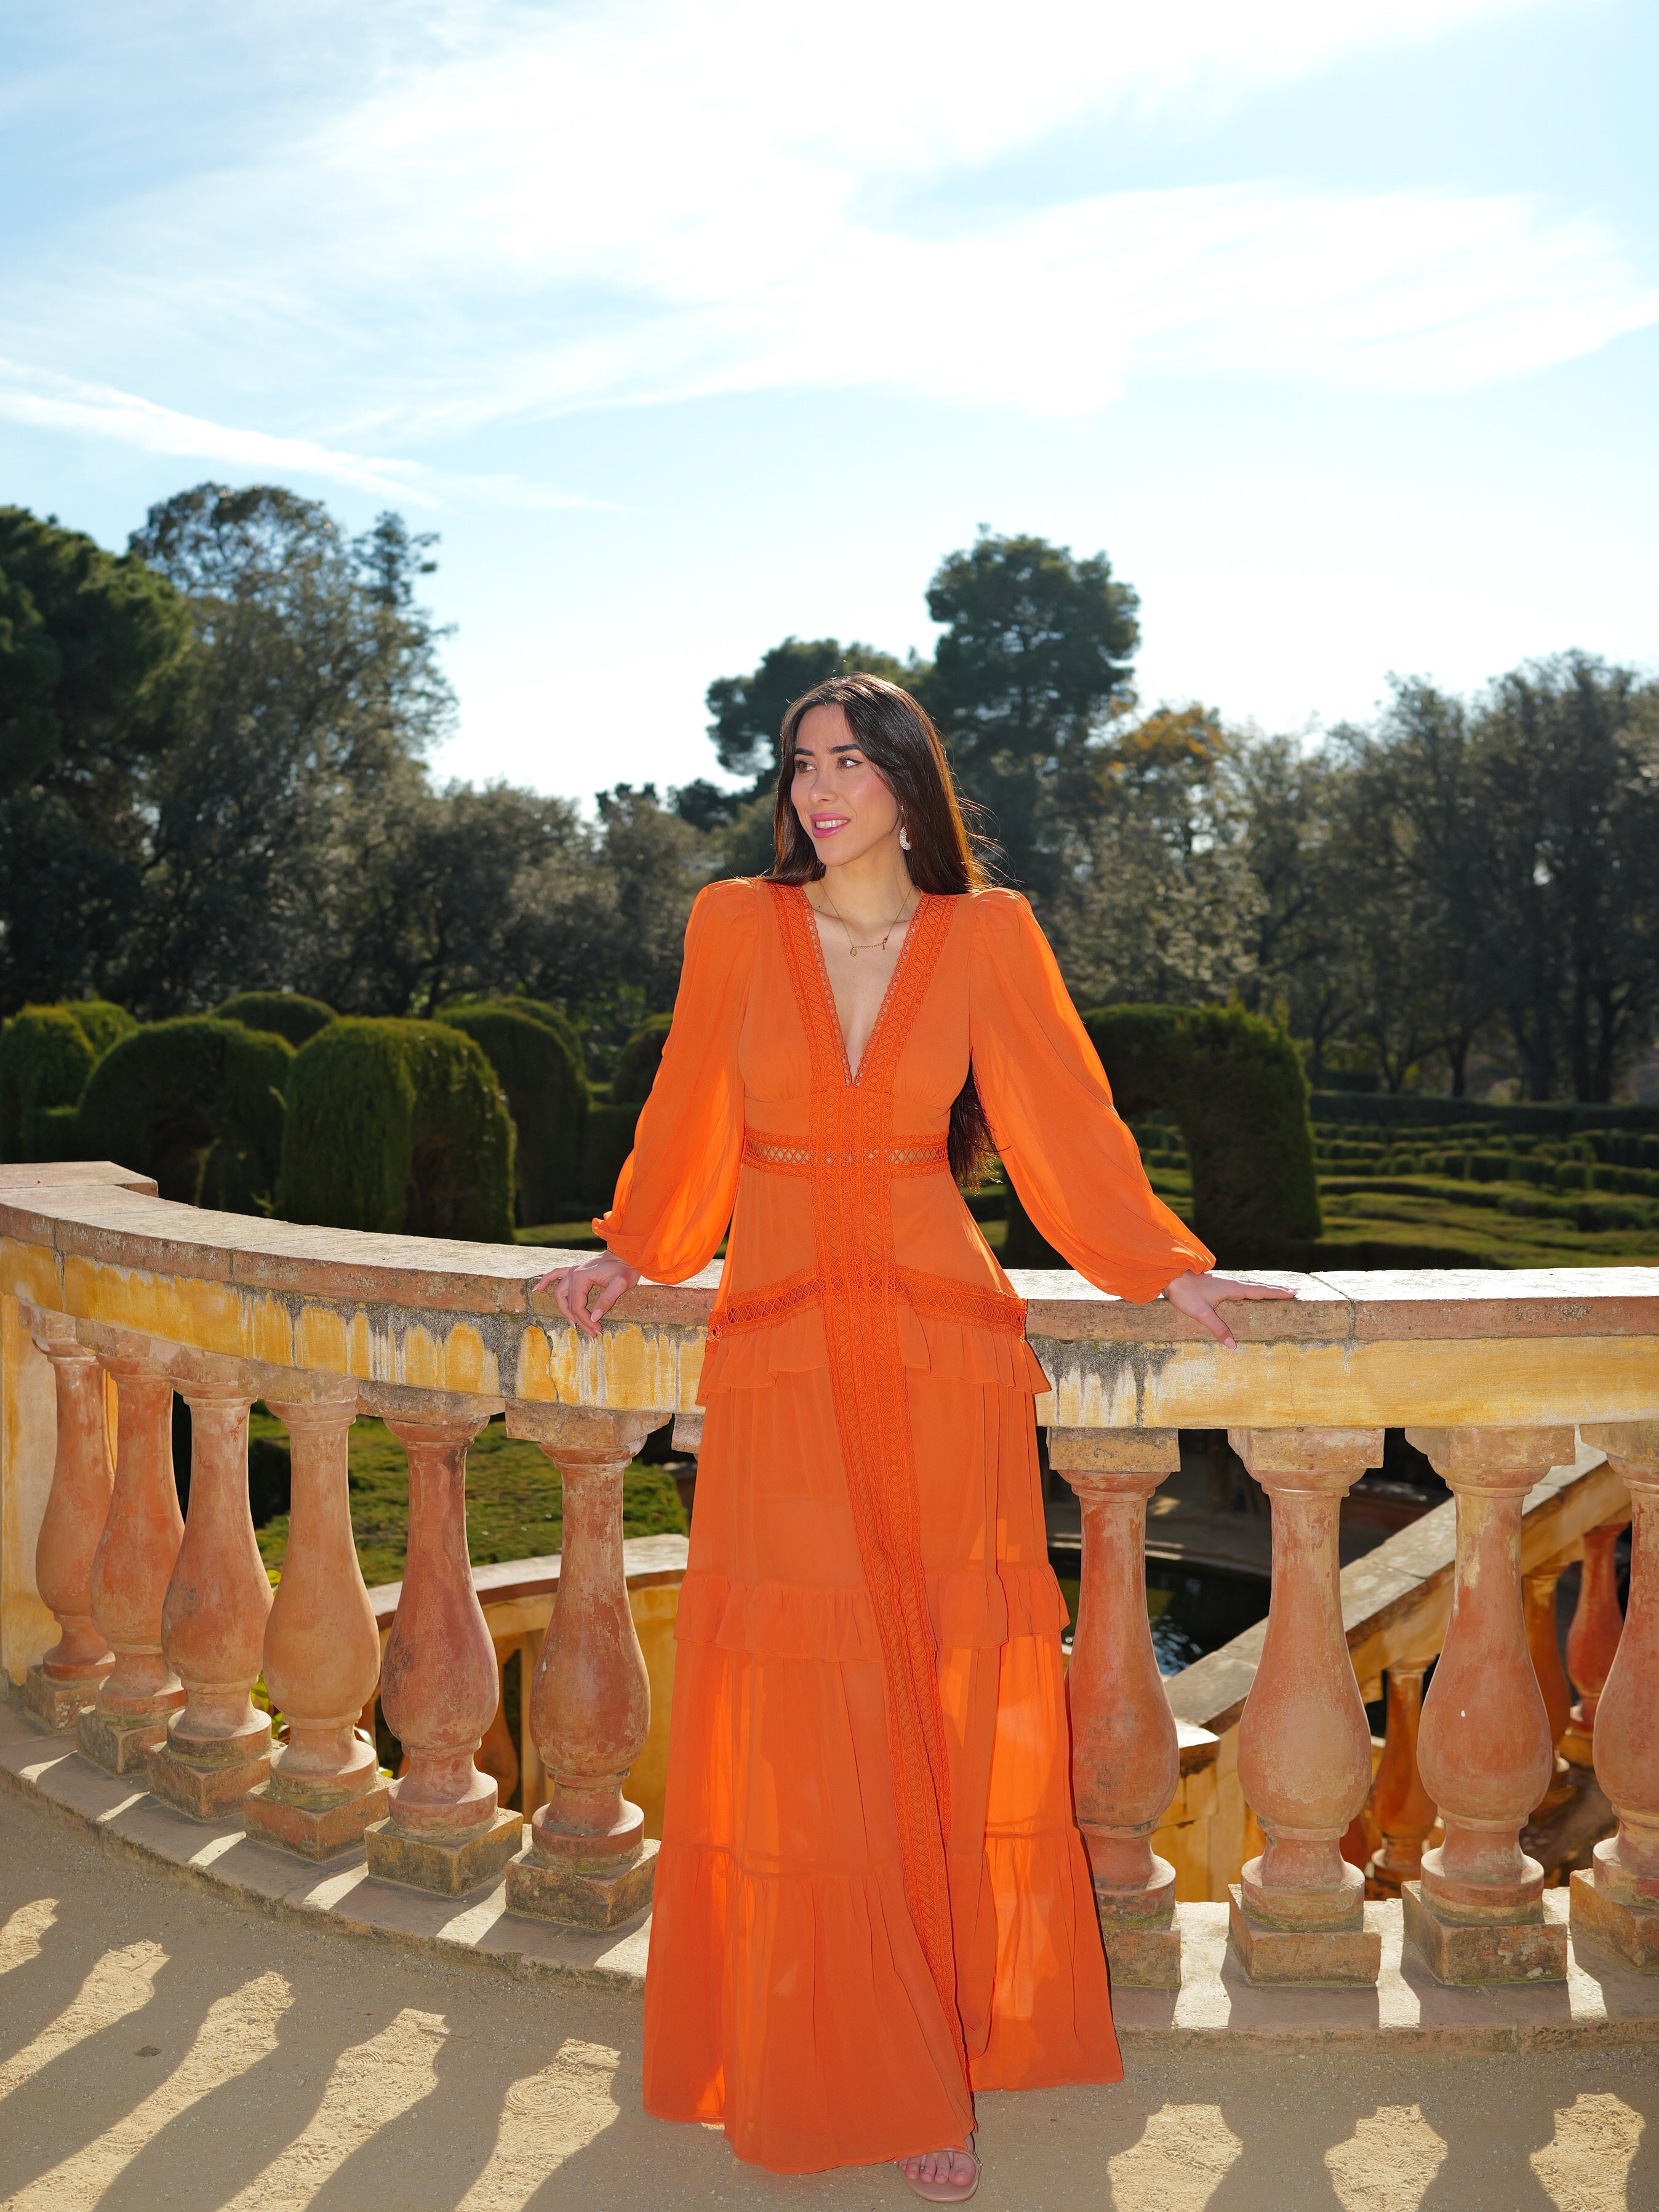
x,y
47,401
527,210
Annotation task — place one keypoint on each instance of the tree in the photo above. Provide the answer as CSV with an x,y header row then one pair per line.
x,y
1568,751
1034,658
1156,902
97,659
318,689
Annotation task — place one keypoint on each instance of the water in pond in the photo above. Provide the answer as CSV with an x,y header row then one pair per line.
x,y
1192,1610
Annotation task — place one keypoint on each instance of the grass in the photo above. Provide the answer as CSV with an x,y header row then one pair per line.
x,y
514,1499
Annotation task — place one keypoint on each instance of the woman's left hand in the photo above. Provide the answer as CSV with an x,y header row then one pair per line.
x,y
1200,1296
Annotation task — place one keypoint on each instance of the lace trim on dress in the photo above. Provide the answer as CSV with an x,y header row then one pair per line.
x,y
778,1156
852,1217
936,1295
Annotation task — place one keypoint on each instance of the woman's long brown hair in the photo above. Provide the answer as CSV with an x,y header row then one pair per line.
x,y
894,733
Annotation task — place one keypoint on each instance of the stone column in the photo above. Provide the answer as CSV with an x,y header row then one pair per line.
x,y
587,1861
322,1658
133,1563
1593,1638
1304,1745
446,1829
1485,1750
1125,1761
1538,1607
1403,1808
1618,1901
213,1622
65,1682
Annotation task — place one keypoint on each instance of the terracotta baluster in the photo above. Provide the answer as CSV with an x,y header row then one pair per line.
x,y
1403,1808
1484,1749
1538,1607
133,1563
65,1682
213,1622
1304,1745
1618,1901
588,1861
322,1658
446,1829
1593,1638
1125,1763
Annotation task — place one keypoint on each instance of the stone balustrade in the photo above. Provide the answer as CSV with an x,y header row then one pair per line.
x,y
1535,1395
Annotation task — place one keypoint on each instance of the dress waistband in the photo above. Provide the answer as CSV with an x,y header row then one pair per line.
x,y
790,1157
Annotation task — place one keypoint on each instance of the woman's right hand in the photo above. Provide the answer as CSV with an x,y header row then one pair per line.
x,y
586,1293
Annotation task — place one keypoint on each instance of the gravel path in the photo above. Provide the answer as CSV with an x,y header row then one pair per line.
x,y
160,2048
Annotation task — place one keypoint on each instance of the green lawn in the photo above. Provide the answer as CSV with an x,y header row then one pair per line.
x,y
514,1499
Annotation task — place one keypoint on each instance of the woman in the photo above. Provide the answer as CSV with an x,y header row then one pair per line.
x,y
872,1898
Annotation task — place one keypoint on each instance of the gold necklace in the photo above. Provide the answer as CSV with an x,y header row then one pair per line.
x,y
854,949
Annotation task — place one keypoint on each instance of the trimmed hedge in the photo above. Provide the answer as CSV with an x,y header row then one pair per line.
x,y
1234,1087
538,1064
398,1126
46,1053
284,1013
1541,1118
610,1140
640,1057
197,1104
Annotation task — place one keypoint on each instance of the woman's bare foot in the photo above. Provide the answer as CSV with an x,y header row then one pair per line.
x,y
942,2177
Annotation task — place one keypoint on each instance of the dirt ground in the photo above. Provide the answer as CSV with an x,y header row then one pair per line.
x,y
159,2048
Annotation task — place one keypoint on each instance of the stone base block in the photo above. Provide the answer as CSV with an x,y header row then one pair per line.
x,y
452,1869
117,1743
1142,1958
58,1706
1471,1951
1342,1956
1631,1930
556,1889
315,1831
203,1790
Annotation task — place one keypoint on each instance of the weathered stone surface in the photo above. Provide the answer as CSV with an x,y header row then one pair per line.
x,y
577,1895
116,1745
1478,1951
1632,1930
57,1705
205,1788
319,1830
1339,1957
1143,1958
452,1869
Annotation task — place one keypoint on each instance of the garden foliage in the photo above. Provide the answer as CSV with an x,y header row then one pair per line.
x,y
398,1125
197,1104
537,1060
46,1053
285,1013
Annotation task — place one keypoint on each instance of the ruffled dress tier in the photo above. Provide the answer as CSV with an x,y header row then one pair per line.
x,y
872,1898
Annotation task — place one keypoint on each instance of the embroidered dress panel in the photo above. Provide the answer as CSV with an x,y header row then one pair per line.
x,y
852,1126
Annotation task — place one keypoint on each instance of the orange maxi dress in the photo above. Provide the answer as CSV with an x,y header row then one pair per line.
x,y
872,1898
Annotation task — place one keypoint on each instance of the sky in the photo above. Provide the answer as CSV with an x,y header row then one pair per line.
x,y
687,327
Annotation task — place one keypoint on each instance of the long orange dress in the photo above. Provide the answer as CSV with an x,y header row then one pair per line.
x,y
872,1898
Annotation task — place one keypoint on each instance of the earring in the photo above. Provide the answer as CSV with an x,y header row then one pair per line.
x,y
904,839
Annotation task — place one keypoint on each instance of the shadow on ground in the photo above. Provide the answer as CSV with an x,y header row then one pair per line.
x,y
160,2048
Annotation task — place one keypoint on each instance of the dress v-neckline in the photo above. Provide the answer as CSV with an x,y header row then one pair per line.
x,y
831,1013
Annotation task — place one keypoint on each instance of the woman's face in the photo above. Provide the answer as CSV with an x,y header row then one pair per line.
x,y
845,804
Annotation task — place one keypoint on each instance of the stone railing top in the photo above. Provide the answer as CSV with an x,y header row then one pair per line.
x,y
649,1562
90,1240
